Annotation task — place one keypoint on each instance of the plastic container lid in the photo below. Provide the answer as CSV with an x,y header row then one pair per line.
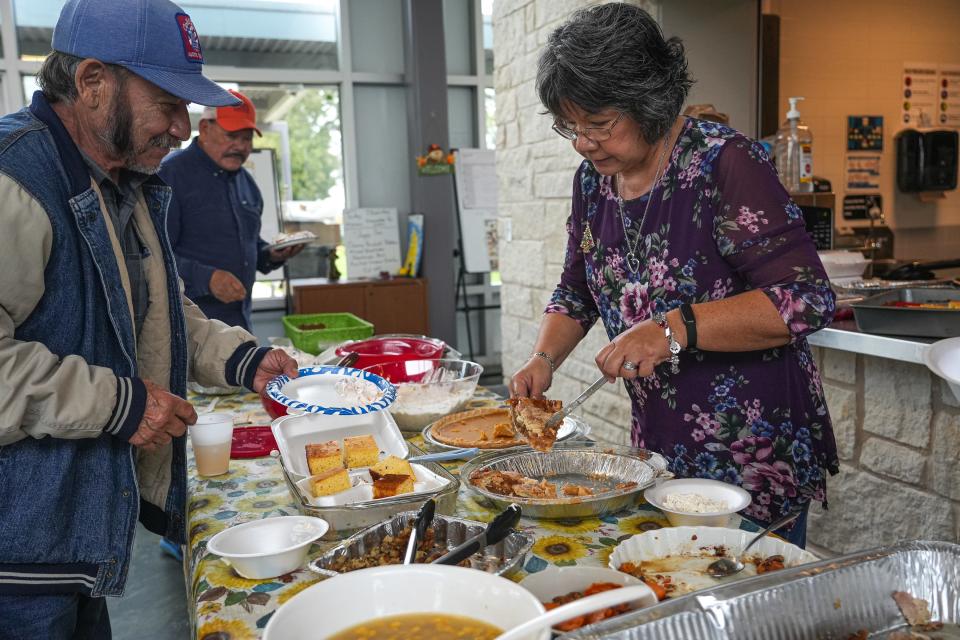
x,y
252,442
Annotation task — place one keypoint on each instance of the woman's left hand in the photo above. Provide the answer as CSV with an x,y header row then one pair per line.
x,y
633,353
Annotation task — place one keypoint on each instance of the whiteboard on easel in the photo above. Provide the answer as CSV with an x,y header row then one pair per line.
x,y
371,238
261,166
475,174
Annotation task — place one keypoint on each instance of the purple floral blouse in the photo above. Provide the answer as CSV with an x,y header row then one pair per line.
x,y
720,224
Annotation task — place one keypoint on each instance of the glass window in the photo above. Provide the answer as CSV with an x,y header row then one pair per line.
x,y
461,108
376,36
384,157
490,117
289,34
458,36
486,8
29,86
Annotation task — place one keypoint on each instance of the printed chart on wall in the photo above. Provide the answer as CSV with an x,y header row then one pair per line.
x,y
262,167
919,92
371,239
949,95
476,183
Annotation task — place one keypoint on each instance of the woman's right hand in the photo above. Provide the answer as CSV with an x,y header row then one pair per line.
x,y
532,380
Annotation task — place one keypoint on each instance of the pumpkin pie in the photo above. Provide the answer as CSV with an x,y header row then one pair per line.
x,y
482,428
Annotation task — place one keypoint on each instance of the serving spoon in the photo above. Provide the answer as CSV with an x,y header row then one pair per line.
x,y
726,567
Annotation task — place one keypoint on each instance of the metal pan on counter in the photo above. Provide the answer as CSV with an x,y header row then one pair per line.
x,y
504,558
614,475
845,597
896,313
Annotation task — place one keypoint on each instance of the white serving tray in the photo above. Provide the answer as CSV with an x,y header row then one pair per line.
x,y
362,489
294,432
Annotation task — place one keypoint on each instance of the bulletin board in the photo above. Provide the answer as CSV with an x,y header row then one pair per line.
x,y
475,180
371,239
262,166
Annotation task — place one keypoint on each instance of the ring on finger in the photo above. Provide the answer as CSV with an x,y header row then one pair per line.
x,y
629,366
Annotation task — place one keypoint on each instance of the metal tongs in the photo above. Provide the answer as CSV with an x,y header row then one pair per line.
x,y
419,529
558,417
498,529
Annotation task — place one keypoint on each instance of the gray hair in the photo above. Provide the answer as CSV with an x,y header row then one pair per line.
x,y
57,76
615,56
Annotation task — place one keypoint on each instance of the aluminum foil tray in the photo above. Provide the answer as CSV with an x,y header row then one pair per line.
x,y
503,558
597,466
347,519
831,599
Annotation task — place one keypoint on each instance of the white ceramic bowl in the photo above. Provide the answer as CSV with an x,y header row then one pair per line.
x,y
350,599
559,581
270,547
736,498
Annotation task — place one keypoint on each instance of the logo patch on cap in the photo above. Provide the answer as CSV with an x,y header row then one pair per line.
x,y
191,39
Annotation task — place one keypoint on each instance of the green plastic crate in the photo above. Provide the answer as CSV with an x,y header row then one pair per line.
x,y
338,327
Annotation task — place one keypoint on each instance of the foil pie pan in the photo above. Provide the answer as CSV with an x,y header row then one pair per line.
x,y
599,467
503,558
830,599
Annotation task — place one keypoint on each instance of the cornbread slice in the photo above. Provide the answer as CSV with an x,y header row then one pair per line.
x,y
360,451
324,456
330,482
391,485
392,465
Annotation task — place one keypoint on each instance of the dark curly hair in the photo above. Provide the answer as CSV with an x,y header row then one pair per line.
x,y
615,56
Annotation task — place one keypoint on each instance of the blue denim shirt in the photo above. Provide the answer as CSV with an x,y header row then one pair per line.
x,y
214,223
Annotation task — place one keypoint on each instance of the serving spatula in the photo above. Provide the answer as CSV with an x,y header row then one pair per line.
x,y
558,417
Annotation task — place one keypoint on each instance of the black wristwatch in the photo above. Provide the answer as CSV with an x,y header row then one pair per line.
x,y
690,322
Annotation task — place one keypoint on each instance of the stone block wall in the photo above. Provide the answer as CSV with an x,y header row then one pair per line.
x,y
898,434
535,170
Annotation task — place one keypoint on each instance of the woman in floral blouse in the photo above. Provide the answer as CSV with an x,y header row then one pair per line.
x,y
675,217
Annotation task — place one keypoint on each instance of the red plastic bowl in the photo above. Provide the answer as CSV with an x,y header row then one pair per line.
x,y
273,408
383,349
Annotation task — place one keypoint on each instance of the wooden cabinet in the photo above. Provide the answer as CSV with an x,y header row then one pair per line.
x,y
392,306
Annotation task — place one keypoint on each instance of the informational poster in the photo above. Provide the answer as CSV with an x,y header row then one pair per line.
x,y
949,86
371,239
863,172
261,166
920,93
476,181
864,133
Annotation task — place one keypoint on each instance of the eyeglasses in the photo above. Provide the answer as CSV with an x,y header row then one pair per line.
x,y
594,134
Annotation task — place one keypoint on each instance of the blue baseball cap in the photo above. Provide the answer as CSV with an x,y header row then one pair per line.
x,y
154,39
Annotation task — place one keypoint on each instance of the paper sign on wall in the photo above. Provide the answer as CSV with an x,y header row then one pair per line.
x,y
863,172
476,185
371,238
949,87
919,93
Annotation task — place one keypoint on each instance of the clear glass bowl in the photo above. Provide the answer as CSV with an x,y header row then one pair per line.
x,y
427,390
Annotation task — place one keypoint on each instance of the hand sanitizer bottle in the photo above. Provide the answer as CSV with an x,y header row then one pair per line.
x,y
793,150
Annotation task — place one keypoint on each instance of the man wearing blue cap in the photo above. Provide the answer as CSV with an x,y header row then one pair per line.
x,y
96,340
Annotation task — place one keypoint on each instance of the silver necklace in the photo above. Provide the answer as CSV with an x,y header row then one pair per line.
x,y
633,262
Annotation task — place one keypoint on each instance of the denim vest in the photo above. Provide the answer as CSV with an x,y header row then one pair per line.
x,y
68,508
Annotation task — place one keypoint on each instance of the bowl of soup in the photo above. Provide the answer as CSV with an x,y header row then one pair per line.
x,y
435,602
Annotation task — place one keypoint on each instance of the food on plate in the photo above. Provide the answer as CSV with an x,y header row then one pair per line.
x,y
577,490
941,305
393,465
324,456
357,392
436,626
297,235
390,550
770,563
330,482
529,417
360,451
661,585
512,483
391,484
589,618
483,428
694,503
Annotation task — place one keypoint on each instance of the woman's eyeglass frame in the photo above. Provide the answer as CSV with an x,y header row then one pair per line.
x,y
593,134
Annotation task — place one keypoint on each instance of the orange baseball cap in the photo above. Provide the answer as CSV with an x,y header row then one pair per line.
x,y
242,116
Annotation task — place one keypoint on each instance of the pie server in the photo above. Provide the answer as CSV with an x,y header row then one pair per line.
x,y
558,417
498,529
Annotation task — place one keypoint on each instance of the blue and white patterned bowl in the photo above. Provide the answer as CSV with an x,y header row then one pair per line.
x,y
315,391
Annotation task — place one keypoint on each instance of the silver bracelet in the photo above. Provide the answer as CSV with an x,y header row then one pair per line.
x,y
548,358
672,345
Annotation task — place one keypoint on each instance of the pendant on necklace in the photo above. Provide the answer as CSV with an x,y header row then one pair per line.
x,y
633,263
586,243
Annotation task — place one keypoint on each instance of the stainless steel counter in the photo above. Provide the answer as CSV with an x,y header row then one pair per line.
x,y
845,336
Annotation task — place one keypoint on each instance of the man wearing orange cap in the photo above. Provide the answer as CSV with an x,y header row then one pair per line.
x,y
214,218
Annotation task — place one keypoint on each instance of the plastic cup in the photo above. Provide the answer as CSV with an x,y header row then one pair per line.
x,y
211,437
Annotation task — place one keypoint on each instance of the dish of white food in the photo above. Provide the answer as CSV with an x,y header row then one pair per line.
x,y
694,503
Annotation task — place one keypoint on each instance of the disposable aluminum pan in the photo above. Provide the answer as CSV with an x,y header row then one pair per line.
x,y
829,599
599,467
503,558
874,315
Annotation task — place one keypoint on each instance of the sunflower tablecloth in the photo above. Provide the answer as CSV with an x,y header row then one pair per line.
x,y
225,606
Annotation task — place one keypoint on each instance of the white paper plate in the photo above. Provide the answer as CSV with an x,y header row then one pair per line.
x,y
943,358
362,487
315,390
292,242
695,546
294,432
